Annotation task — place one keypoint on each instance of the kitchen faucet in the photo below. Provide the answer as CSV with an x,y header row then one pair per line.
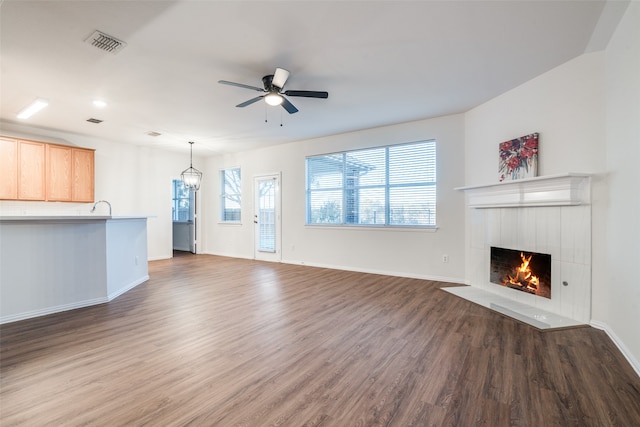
x,y
93,209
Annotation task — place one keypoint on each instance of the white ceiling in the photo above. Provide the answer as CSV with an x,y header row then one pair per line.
x,y
382,62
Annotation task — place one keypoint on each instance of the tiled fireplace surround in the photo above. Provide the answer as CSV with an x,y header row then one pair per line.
x,y
550,214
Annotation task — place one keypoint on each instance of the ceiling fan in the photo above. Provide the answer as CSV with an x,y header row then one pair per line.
x,y
273,93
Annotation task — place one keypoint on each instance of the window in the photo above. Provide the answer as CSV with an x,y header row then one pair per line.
x,y
231,198
385,186
183,202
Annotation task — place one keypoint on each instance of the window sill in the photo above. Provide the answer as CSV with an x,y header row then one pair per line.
x,y
373,227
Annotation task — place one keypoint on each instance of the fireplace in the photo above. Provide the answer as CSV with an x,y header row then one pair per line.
x,y
549,218
528,272
546,218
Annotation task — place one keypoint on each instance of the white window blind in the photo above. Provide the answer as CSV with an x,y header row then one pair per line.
x,y
384,186
231,195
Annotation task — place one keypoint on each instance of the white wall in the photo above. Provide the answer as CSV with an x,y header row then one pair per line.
x,y
565,105
412,253
586,112
135,180
619,303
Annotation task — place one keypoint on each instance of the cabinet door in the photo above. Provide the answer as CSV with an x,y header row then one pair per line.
x,y
8,169
83,175
31,171
58,173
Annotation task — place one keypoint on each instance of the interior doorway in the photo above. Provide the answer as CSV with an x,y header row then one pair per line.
x,y
184,217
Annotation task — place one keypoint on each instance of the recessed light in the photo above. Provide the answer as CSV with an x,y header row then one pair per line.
x,y
33,108
99,103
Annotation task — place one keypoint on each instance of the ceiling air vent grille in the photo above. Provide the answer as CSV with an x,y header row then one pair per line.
x,y
105,42
92,120
153,133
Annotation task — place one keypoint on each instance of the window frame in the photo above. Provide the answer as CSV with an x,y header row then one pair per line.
x,y
176,201
387,187
225,196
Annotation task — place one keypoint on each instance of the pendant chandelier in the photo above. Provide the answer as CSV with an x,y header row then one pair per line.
x,y
191,176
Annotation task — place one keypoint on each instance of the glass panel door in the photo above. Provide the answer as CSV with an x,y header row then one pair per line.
x,y
184,217
267,218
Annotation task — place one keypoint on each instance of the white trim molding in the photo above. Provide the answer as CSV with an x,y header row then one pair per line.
x,y
51,310
127,288
635,364
567,189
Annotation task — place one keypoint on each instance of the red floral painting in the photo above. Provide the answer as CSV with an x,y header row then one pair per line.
x,y
519,158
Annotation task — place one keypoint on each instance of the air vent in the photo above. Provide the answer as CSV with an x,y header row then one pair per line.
x,y
154,134
92,120
105,42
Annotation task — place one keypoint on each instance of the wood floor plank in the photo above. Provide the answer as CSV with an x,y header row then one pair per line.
x,y
228,342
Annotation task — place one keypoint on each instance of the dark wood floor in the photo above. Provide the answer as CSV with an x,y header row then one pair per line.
x,y
213,341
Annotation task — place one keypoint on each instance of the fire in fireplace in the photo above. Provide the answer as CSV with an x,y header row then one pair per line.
x,y
524,271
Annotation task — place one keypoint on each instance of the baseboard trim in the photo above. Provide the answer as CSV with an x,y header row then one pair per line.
x,y
227,255
71,306
160,258
127,288
456,280
635,364
51,310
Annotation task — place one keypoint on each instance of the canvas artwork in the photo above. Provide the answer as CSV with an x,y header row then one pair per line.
x,y
519,158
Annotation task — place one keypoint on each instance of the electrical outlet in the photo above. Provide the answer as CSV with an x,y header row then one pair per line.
x,y
445,258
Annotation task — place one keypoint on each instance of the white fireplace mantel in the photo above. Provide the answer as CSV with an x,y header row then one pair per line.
x,y
548,214
567,189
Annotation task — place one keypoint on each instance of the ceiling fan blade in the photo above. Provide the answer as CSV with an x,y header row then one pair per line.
x,y
224,82
288,106
249,102
280,77
307,93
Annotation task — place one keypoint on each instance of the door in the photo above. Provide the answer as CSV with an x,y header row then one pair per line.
x,y
266,218
184,217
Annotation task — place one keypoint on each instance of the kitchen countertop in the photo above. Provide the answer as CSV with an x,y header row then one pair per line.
x,y
70,217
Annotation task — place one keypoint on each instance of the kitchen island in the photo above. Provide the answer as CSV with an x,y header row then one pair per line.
x,y
56,263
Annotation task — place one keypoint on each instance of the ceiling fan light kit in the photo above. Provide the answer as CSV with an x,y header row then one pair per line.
x,y
273,93
273,99
279,78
